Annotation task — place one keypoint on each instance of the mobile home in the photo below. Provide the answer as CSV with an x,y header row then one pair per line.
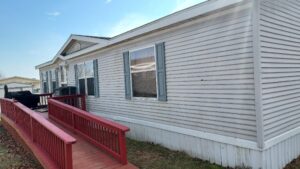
x,y
17,83
219,80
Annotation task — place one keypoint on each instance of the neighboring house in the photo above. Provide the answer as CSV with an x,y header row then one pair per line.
x,y
219,80
17,83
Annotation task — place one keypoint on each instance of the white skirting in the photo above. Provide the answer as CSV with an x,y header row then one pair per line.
x,y
215,152
282,153
276,156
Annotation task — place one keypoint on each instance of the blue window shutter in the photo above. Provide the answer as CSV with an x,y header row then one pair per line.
x,y
96,76
127,80
41,83
47,82
51,86
76,78
56,78
161,72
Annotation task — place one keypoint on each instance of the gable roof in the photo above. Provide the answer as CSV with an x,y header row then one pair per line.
x,y
162,23
74,37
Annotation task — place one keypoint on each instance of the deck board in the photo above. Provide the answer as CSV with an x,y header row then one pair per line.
x,y
87,156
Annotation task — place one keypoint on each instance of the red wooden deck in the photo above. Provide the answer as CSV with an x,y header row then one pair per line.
x,y
69,138
87,156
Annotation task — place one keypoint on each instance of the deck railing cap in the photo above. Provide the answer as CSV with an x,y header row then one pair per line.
x,y
90,116
48,125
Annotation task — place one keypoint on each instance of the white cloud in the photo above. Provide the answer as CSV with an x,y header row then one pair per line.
x,y
130,21
182,4
54,14
134,20
108,1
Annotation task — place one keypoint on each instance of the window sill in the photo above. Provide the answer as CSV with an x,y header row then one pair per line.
x,y
144,99
90,96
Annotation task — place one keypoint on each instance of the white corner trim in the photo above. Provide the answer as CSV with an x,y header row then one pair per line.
x,y
257,73
200,134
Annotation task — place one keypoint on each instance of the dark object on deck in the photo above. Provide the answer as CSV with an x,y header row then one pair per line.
x,y
65,91
25,97
5,91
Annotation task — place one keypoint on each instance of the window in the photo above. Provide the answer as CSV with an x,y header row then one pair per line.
x,y
62,74
86,79
143,73
45,87
44,82
53,80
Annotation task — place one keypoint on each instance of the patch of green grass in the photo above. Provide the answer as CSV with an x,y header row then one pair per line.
x,y
151,156
12,154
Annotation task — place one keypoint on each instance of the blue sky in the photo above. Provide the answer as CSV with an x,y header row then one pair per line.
x,y
32,31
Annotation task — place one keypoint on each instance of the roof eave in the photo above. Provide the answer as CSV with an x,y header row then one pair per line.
x,y
161,23
177,17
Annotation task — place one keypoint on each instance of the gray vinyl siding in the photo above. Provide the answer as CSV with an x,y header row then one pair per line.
x,y
77,46
280,58
209,70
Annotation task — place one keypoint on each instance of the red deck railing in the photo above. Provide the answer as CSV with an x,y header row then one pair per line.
x,y
44,99
73,100
105,134
55,143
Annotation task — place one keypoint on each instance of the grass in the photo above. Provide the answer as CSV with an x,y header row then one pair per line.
x,y
295,164
12,154
151,156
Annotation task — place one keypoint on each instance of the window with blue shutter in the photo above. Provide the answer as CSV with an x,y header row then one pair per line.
x,y
86,78
161,72
145,73
127,79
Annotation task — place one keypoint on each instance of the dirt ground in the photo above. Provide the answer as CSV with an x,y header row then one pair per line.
x,y
12,154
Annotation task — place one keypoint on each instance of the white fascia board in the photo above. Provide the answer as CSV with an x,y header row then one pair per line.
x,y
161,23
103,42
49,62
88,39
79,38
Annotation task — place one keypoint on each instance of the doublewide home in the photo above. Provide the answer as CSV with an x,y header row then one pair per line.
x,y
17,83
219,80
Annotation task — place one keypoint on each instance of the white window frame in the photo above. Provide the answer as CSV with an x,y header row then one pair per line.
x,y
62,76
137,49
86,77
44,76
44,80
53,79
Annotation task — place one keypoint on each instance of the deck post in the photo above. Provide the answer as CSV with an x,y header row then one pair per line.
x,y
31,130
73,122
122,143
83,103
68,156
14,113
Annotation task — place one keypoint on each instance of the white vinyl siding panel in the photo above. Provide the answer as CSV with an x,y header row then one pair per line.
x,y
209,70
280,61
